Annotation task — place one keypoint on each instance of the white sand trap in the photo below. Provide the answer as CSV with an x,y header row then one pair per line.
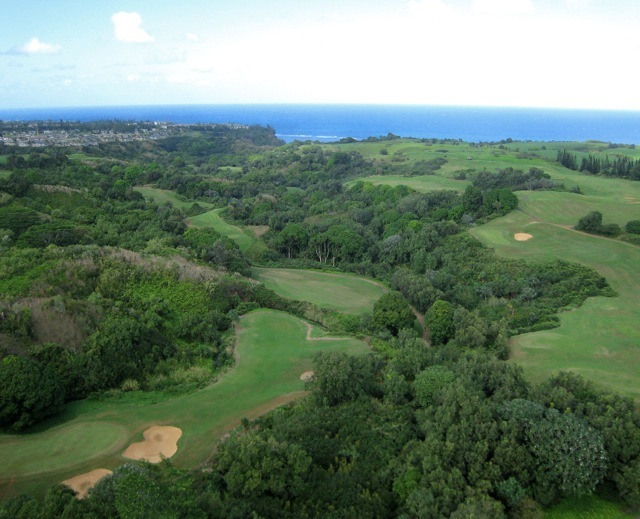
x,y
158,441
306,376
522,236
82,483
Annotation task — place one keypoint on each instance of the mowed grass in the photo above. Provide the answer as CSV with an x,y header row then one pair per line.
x,y
599,340
4,173
423,183
161,196
272,353
342,292
245,240
587,507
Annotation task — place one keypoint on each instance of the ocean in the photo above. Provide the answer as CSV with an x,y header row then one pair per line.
x,y
327,123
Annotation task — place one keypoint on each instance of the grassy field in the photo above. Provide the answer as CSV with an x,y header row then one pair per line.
x,y
422,183
463,157
349,294
4,173
160,196
587,507
247,242
272,352
600,339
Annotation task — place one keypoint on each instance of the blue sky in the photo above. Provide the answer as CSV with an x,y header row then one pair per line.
x,y
551,53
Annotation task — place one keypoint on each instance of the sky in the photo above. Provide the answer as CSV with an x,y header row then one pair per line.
x,y
535,53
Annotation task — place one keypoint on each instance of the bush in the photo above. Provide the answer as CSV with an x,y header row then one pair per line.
x,y
29,392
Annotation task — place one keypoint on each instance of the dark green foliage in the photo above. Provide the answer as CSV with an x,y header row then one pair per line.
x,y
620,166
17,219
293,239
512,179
614,416
429,382
632,227
567,159
29,392
570,455
415,431
439,319
340,378
592,223
59,233
392,311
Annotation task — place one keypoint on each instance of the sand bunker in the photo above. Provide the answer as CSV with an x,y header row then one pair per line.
x,y
82,483
159,441
306,376
522,236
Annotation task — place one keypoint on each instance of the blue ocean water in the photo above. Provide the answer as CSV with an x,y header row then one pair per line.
x,y
332,122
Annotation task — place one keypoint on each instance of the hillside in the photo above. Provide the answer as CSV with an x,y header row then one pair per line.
x,y
414,326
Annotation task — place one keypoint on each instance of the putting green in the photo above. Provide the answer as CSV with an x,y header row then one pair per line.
x,y
272,352
349,294
57,448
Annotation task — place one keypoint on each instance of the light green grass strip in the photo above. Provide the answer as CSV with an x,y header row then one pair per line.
x,y
343,292
245,240
423,183
160,196
587,507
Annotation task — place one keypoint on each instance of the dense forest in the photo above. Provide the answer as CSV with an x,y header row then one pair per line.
x,y
105,292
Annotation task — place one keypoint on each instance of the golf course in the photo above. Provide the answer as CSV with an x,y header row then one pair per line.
x,y
272,351
598,340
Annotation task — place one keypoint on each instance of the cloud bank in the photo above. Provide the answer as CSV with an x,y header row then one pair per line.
x,y
35,46
128,28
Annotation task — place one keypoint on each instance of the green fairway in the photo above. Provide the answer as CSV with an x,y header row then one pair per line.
x,y
422,183
349,294
272,352
600,339
587,507
160,196
245,240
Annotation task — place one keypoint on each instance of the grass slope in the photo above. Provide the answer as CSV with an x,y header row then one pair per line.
x,y
160,196
247,242
600,339
422,183
272,352
342,292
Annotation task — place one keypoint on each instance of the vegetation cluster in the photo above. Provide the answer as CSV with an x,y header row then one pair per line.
x,y
105,292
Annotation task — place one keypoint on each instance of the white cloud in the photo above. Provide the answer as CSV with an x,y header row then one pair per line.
x,y
128,28
35,46
503,6
192,37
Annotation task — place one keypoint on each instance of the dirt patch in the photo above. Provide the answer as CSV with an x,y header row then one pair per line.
x,y
306,376
522,236
84,482
159,441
